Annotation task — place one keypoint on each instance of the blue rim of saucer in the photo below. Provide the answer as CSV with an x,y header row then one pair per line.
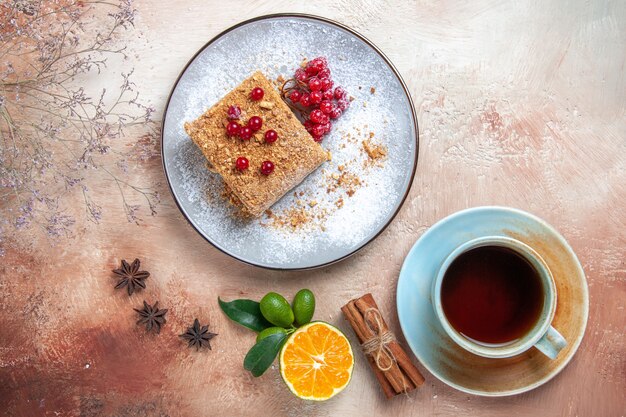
x,y
422,329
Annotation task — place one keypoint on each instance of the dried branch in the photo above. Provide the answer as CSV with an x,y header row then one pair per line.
x,y
51,131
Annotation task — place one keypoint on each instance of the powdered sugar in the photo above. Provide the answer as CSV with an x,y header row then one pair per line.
x,y
276,46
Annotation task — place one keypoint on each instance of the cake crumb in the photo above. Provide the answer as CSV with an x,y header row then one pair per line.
x,y
292,218
345,181
374,151
373,90
267,105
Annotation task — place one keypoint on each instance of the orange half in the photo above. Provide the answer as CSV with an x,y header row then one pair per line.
x,y
316,362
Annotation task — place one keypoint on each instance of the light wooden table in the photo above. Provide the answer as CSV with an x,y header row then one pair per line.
x,y
519,104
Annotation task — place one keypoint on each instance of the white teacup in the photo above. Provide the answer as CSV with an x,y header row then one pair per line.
x,y
542,336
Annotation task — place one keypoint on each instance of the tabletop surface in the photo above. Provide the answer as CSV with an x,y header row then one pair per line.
x,y
520,104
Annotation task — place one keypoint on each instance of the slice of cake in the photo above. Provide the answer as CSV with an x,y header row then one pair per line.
x,y
254,141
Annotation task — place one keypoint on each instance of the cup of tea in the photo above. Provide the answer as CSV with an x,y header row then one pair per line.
x,y
496,297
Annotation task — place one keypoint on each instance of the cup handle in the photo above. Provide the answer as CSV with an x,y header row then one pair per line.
x,y
551,343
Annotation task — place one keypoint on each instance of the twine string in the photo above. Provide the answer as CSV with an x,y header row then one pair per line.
x,y
377,345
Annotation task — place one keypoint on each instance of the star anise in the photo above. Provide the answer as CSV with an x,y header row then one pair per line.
x,y
151,316
130,276
198,336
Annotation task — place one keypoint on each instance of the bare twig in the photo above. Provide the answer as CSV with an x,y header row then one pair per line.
x,y
45,46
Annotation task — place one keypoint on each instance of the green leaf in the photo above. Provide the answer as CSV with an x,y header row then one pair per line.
x,y
261,356
245,312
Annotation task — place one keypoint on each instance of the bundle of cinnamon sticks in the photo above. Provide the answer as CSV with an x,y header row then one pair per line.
x,y
392,366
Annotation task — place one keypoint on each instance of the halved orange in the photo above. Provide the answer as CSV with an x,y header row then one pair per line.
x,y
316,362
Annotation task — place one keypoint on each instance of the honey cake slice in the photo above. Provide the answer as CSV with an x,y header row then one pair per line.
x,y
295,154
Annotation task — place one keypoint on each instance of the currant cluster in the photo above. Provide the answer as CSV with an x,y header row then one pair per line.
x,y
245,132
311,89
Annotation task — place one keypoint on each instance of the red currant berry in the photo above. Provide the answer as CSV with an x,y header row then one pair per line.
x,y
317,131
233,128
328,95
340,93
295,95
325,73
242,163
300,74
316,116
343,104
257,93
327,126
327,84
310,70
255,123
308,125
316,97
271,136
245,133
318,64
335,113
267,167
326,106
324,119
305,100
315,84
234,112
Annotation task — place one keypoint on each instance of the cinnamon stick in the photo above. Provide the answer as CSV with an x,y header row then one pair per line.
x,y
404,362
398,374
384,383
392,375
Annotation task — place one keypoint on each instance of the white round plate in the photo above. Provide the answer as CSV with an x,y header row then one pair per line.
x,y
276,45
